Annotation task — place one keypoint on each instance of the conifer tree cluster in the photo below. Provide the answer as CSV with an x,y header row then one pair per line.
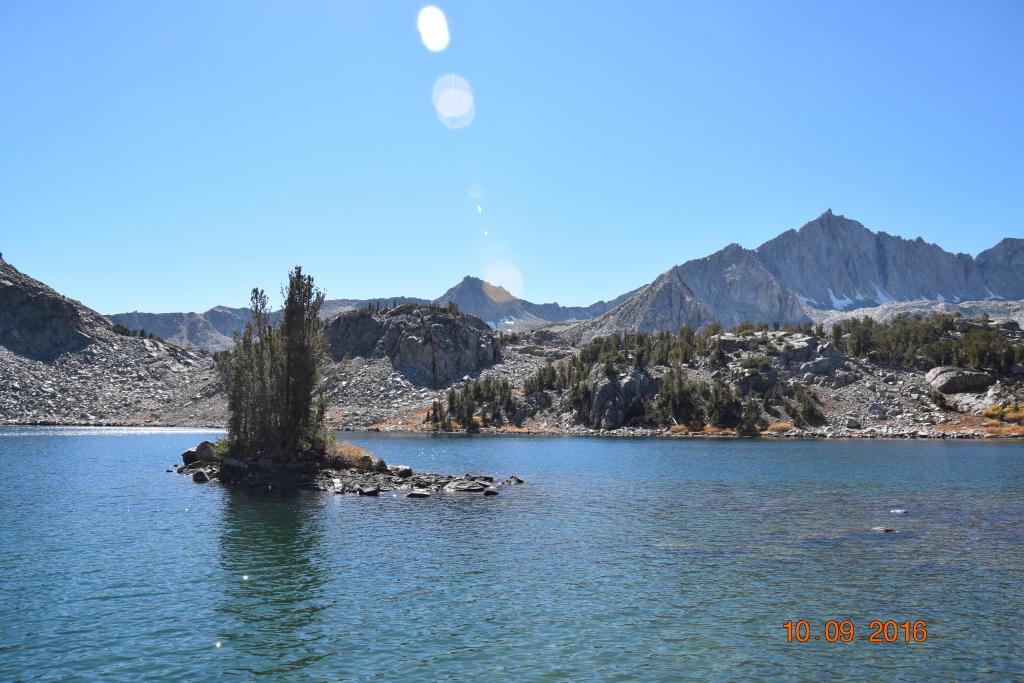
x,y
271,375
909,341
491,397
127,332
924,342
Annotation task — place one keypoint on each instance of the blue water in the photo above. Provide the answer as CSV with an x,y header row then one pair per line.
x,y
618,560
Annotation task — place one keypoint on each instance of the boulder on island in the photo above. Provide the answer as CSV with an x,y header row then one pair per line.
x,y
401,471
204,452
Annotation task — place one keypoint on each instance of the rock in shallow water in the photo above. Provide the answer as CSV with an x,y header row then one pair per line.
x,y
204,452
514,480
465,486
200,477
490,491
418,493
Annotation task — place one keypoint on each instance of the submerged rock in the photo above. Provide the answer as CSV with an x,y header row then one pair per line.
x,y
465,485
490,491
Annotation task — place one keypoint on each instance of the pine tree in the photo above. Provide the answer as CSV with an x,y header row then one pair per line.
x,y
271,376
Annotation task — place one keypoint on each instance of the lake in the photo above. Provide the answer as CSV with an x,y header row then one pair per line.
x,y
619,559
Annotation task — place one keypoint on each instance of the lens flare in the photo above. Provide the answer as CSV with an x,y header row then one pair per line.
x,y
453,100
506,275
433,28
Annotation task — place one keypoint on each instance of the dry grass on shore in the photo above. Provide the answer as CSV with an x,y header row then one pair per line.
x,y
346,455
1005,430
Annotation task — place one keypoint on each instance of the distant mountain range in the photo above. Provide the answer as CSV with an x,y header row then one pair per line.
x,y
494,304
213,330
830,264
499,308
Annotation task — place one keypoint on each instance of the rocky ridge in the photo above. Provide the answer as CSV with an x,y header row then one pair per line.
x,y
502,310
834,262
38,323
213,330
856,398
430,344
830,264
370,392
63,363
1000,311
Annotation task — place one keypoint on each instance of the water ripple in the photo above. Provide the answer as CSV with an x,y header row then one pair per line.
x,y
618,560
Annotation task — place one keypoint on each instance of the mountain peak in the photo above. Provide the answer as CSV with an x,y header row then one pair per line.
x,y
495,293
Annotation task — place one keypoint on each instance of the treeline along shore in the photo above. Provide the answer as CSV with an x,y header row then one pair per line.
x,y
430,367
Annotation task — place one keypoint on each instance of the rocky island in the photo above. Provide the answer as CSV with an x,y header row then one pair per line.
x,y
277,439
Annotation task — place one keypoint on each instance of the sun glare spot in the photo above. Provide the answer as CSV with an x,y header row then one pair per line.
x,y
506,275
453,100
433,28
486,233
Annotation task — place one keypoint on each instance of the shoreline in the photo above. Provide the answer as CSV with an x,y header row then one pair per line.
x,y
869,434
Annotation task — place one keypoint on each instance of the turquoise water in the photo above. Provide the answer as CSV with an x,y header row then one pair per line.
x,y
619,559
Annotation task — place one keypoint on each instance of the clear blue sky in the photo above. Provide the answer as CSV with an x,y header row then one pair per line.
x,y
169,155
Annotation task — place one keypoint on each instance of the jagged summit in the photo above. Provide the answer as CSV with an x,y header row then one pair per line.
x,y
471,286
835,262
829,263
503,310
1003,268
